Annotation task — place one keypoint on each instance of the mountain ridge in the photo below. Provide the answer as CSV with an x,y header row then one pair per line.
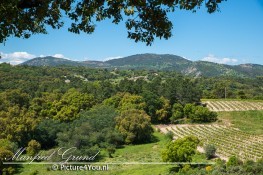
x,y
166,62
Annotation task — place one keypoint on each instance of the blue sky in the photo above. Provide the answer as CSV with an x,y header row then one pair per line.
x,y
232,36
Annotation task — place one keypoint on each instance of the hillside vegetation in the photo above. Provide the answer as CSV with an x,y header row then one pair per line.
x,y
163,62
110,115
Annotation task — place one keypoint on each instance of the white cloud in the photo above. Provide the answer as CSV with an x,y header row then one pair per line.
x,y
20,57
186,58
111,58
58,55
15,57
213,58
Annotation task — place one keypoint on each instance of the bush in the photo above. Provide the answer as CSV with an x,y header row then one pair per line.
x,y
210,151
169,135
111,150
202,114
33,147
192,114
181,150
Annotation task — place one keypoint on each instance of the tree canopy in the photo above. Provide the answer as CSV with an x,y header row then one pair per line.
x,y
145,19
180,150
135,126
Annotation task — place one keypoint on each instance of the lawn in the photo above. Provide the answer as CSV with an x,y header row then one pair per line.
x,y
247,121
131,153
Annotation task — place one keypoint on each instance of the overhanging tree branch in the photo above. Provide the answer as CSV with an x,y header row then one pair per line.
x,y
23,18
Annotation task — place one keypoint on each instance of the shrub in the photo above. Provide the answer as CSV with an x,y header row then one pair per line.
x,y
169,135
33,147
210,151
181,150
111,150
202,114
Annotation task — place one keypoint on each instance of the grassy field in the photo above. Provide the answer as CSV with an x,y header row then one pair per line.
x,y
131,153
247,121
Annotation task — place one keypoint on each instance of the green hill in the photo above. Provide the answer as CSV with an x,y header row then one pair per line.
x,y
165,62
50,61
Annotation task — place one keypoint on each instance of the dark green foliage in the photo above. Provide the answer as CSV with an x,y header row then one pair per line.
x,y
231,87
181,89
99,117
192,113
46,132
210,151
202,115
152,104
93,130
180,150
81,137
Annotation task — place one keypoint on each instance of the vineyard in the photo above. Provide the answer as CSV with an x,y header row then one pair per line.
x,y
221,105
228,140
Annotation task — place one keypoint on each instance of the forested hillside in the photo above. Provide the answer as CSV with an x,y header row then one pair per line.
x,y
163,62
93,109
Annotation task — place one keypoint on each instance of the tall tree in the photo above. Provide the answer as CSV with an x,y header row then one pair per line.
x,y
135,126
71,103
